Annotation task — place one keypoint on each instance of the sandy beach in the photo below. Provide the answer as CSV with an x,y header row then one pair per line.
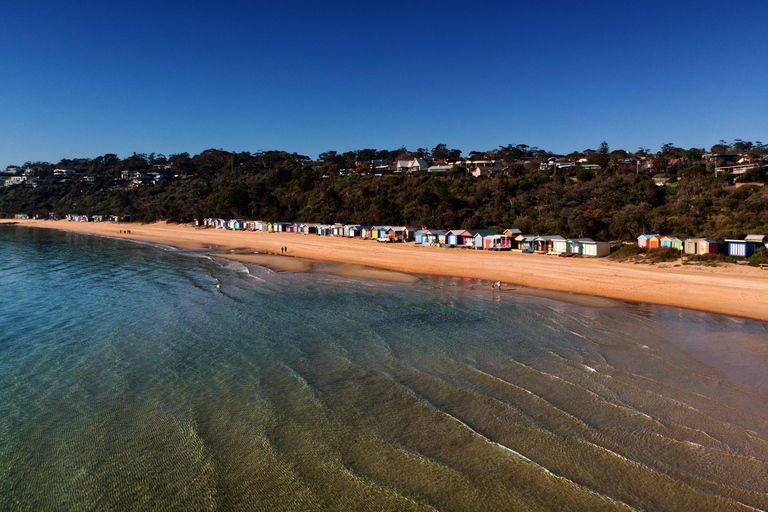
x,y
736,290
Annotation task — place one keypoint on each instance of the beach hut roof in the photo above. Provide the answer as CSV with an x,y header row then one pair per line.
x,y
482,232
513,231
755,238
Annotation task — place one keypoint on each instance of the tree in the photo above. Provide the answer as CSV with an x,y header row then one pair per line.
x,y
659,163
440,152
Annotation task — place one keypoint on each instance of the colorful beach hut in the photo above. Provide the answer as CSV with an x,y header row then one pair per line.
x,y
457,237
526,243
431,236
642,240
477,237
497,243
670,242
654,242
707,246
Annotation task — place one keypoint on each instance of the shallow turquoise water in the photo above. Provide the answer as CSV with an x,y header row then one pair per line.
x,y
138,377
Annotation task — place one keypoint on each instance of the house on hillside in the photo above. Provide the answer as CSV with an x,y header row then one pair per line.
x,y
413,165
678,163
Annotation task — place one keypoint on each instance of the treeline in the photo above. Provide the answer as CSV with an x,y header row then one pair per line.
x,y
609,204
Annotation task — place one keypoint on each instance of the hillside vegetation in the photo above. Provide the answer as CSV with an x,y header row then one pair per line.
x,y
603,204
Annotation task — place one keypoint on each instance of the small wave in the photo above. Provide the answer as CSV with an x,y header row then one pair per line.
x,y
514,452
589,368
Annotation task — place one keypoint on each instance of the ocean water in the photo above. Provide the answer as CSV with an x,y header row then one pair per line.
x,y
137,377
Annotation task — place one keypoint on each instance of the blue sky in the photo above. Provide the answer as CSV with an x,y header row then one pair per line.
x,y
82,79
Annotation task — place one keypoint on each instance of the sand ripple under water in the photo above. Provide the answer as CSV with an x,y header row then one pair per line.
x,y
140,378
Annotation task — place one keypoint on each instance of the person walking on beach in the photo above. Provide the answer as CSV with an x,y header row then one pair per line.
x,y
498,284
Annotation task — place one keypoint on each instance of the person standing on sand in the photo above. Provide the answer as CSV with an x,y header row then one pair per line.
x,y
498,285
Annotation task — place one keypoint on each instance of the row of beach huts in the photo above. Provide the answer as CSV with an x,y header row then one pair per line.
x,y
482,239
734,248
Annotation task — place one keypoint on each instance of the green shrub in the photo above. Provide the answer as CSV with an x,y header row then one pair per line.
x,y
625,252
662,254
759,258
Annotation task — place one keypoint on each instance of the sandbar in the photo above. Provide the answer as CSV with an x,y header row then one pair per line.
x,y
730,289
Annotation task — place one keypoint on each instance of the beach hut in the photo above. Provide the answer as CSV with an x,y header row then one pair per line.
x,y
759,239
497,243
691,245
457,237
595,249
397,233
512,232
654,242
409,234
546,244
478,235
21,216
745,248
642,240
576,245
417,236
670,242
431,236
559,246
525,243
707,246
236,224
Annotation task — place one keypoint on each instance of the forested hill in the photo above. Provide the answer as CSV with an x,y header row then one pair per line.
x,y
609,204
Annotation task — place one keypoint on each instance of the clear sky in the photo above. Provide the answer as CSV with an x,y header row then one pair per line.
x,y
85,78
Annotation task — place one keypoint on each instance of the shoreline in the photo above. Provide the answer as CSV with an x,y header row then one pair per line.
x,y
734,290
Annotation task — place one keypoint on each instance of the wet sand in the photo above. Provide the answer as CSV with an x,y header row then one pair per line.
x,y
735,290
